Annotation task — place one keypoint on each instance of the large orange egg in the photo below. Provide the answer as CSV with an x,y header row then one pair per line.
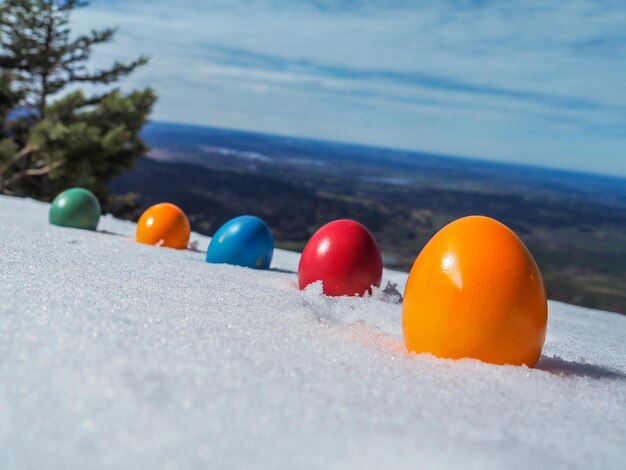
x,y
164,225
475,291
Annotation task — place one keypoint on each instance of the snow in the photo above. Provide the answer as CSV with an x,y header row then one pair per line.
x,y
116,355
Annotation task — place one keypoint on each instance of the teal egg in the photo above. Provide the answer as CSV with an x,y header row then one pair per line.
x,y
75,208
243,241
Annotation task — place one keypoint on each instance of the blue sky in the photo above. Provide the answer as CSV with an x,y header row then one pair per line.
x,y
538,82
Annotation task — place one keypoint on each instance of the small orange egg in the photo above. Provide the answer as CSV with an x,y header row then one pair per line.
x,y
164,225
475,291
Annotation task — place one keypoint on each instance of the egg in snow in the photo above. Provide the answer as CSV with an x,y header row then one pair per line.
x,y
243,241
165,225
475,291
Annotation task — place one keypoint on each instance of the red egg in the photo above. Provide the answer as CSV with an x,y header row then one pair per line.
x,y
344,256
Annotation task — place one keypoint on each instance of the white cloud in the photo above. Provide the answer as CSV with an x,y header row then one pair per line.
x,y
538,82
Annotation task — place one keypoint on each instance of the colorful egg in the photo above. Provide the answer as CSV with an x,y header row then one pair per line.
x,y
164,225
243,241
475,291
75,208
344,256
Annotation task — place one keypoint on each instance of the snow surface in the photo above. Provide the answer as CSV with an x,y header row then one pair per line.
x,y
117,355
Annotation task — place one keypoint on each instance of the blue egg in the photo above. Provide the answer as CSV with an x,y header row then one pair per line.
x,y
243,241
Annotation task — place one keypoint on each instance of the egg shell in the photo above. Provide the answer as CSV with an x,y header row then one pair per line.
x,y
475,291
243,241
344,256
75,208
164,225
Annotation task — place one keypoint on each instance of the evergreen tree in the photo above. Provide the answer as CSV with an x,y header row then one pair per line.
x,y
46,145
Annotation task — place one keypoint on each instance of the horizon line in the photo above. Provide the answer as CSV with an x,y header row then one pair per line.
x,y
470,158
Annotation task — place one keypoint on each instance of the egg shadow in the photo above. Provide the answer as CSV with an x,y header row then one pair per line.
x,y
558,366
107,232
284,271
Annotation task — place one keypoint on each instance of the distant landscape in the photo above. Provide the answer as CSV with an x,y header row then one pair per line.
x,y
574,223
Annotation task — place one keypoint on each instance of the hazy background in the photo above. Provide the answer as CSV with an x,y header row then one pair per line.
x,y
539,82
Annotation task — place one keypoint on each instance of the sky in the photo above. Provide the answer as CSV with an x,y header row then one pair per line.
x,y
523,81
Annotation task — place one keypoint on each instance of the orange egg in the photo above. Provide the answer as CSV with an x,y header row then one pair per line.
x,y
164,225
475,291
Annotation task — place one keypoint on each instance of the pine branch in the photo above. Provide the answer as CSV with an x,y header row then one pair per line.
x,y
18,156
44,170
47,169
111,75
35,42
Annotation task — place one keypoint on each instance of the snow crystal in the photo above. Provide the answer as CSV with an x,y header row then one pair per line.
x,y
119,355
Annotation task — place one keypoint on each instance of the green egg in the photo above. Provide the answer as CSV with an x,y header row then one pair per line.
x,y
75,208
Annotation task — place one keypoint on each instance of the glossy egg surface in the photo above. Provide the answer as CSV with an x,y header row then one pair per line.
x,y
75,208
243,241
475,291
164,225
344,256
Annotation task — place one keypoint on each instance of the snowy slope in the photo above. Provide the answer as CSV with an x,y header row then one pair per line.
x,y
118,355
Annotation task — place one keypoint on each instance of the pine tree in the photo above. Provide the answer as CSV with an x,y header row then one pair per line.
x,y
36,44
47,145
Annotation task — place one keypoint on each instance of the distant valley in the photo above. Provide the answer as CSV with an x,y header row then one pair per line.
x,y
575,224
